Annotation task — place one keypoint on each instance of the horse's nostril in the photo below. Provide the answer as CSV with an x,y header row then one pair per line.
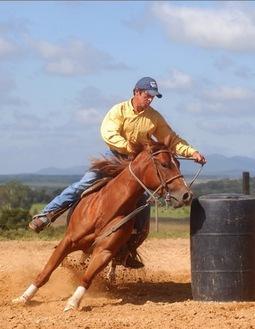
x,y
186,196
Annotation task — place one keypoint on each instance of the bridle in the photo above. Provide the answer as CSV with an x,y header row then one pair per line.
x,y
163,183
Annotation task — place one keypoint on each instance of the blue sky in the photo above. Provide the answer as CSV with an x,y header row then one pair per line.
x,y
63,65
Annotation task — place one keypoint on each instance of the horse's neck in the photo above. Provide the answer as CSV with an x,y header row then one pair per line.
x,y
128,187
123,190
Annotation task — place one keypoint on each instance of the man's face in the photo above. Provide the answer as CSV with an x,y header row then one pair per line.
x,y
143,99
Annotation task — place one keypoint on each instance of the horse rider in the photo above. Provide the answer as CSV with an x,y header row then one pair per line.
x,y
126,126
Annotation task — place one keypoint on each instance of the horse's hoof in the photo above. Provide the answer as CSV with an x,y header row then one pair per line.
x,y
70,306
19,300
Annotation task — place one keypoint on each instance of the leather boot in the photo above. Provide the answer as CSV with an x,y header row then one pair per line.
x,y
40,221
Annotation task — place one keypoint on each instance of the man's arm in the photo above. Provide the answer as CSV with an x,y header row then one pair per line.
x,y
175,143
111,128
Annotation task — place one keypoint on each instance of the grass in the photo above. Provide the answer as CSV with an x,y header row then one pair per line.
x,y
167,228
51,233
172,223
163,212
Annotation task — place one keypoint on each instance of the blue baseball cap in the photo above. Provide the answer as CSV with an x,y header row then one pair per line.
x,y
150,85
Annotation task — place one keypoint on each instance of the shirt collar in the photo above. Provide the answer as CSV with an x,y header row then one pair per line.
x,y
131,107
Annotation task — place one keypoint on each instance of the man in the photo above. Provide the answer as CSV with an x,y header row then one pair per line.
x,y
126,126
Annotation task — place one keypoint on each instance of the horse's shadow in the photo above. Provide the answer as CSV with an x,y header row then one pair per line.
x,y
140,293
159,292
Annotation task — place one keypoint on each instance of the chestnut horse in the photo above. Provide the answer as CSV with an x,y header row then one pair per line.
x,y
153,169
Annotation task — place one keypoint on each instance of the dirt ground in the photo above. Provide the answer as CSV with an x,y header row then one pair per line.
x,y
158,296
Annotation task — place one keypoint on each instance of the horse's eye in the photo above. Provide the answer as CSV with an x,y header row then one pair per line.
x,y
165,165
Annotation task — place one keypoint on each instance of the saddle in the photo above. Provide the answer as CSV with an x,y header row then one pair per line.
x,y
96,186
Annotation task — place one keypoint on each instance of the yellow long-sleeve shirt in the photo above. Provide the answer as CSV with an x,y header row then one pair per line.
x,y
122,125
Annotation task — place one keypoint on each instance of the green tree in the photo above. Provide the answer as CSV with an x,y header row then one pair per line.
x,y
15,202
14,218
16,195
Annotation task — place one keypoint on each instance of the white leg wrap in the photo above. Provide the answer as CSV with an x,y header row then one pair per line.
x,y
74,301
30,292
111,275
27,295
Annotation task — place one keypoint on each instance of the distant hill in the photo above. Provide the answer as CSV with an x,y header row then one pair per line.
x,y
221,166
36,180
217,166
77,170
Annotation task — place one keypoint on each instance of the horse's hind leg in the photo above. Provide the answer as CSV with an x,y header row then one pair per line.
x,y
64,247
111,275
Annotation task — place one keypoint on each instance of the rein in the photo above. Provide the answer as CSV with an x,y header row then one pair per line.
x,y
198,171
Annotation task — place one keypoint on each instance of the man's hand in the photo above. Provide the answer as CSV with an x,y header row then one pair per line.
x,y
199,158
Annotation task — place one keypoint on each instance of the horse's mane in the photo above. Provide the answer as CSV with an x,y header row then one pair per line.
x,y
112,166
109,167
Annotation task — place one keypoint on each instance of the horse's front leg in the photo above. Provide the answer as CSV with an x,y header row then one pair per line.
x,y
100,258
64,248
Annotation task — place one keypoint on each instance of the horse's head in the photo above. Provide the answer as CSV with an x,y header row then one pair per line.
x,y
160,172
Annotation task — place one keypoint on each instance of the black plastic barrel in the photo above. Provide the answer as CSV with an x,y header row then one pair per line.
x,y
222,228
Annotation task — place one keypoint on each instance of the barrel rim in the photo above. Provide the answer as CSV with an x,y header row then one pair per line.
x,y
226,197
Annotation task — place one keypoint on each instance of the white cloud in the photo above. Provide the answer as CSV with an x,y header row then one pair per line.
x,y
7,89
225,93
7,47
88,116
226,128
204,108
74,57
14,26
226,28
194,107
225,63
244,72
93,97
12,42
177,80
6,83
223,101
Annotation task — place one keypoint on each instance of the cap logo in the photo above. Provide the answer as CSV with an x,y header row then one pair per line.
x,y
153,84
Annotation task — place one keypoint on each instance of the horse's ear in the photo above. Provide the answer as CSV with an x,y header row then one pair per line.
x,y
167,141
151,141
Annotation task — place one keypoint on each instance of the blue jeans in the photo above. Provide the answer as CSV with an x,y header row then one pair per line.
x,y
72,193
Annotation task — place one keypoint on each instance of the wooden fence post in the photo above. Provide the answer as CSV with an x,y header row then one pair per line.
x,y
246,182
156,215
